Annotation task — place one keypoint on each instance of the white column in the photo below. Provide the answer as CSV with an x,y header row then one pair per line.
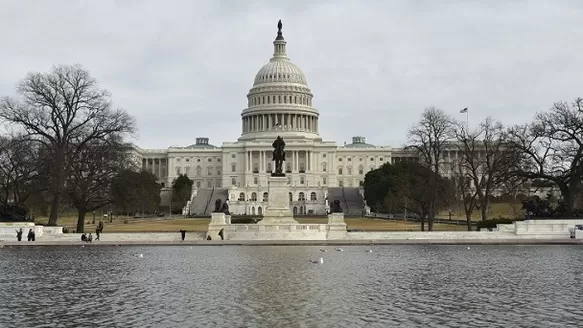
x,y
308,155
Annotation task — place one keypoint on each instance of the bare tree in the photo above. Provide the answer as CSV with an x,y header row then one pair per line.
x,y
63,110
551,149
430,137
485,159
464,191
19,171
93,172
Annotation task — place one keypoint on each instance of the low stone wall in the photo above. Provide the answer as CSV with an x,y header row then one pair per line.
x,y
129,236
447,235
559,228
276,232
8,230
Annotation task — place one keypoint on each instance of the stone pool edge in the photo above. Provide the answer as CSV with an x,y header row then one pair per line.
x,y
363,242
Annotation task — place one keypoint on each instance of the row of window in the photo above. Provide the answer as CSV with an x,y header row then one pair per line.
x,y
198,160
360,159
265,198
256,180
209,184
280,99
349,170
198,171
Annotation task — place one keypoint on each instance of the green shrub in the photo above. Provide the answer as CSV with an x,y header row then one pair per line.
x,y
490,224
244,220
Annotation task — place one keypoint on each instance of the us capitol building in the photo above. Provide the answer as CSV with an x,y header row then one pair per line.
x,y
280,103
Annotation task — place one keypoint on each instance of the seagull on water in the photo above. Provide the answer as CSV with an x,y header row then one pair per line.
x,y
323,250
139,255
339,249
369,251
321,260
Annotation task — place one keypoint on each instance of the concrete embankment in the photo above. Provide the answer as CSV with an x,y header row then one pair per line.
x,y
361,242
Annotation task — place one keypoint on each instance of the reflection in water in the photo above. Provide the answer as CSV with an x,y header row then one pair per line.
x,y
395,286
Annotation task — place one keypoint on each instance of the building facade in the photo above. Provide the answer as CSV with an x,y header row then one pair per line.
x,y
280,103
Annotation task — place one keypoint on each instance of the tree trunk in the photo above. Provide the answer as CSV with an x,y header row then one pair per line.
x,y
422,222
58,185
54,216
484,209
81,220
469,221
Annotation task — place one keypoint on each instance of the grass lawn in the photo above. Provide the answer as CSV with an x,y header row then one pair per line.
x,y
505,210
200,225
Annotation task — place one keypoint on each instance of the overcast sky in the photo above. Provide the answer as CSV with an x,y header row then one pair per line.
x,y
183,68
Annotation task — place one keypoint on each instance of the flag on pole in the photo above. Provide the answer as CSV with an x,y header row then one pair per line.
x,y
465,110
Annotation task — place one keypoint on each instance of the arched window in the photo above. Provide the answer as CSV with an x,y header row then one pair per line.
x,y
339,171
252,210
259,211
253,196
269,167
360,169
242,196
288,167
198,185
198,170
301,196
218,170
178,170
210,170
324,167
265,197
295,210
349,170
187,170
255,168
290,197
233,167
312,196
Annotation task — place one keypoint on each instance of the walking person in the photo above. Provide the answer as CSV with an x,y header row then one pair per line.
x,y
97,233
221,234
29,236
182,234
19,234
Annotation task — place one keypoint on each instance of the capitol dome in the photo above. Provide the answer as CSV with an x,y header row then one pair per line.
x,y
280,70
280,101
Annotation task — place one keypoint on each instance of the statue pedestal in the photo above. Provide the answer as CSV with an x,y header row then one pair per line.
x,y
278,210
219,220
336,226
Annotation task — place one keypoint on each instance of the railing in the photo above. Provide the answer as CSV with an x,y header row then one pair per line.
x,y
208,201
283,227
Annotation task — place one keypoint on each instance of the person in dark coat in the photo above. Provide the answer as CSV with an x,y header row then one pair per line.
x,y
29,236
182,234
221,234
19,234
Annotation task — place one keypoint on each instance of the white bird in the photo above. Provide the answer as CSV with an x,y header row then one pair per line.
x,y
468,247
339,249
321,260
323,250
139,255
369,251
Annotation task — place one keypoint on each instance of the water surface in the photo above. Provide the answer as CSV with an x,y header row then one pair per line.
x,y
261,286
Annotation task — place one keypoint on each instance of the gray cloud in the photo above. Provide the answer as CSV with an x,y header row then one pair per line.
x,y
183,68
